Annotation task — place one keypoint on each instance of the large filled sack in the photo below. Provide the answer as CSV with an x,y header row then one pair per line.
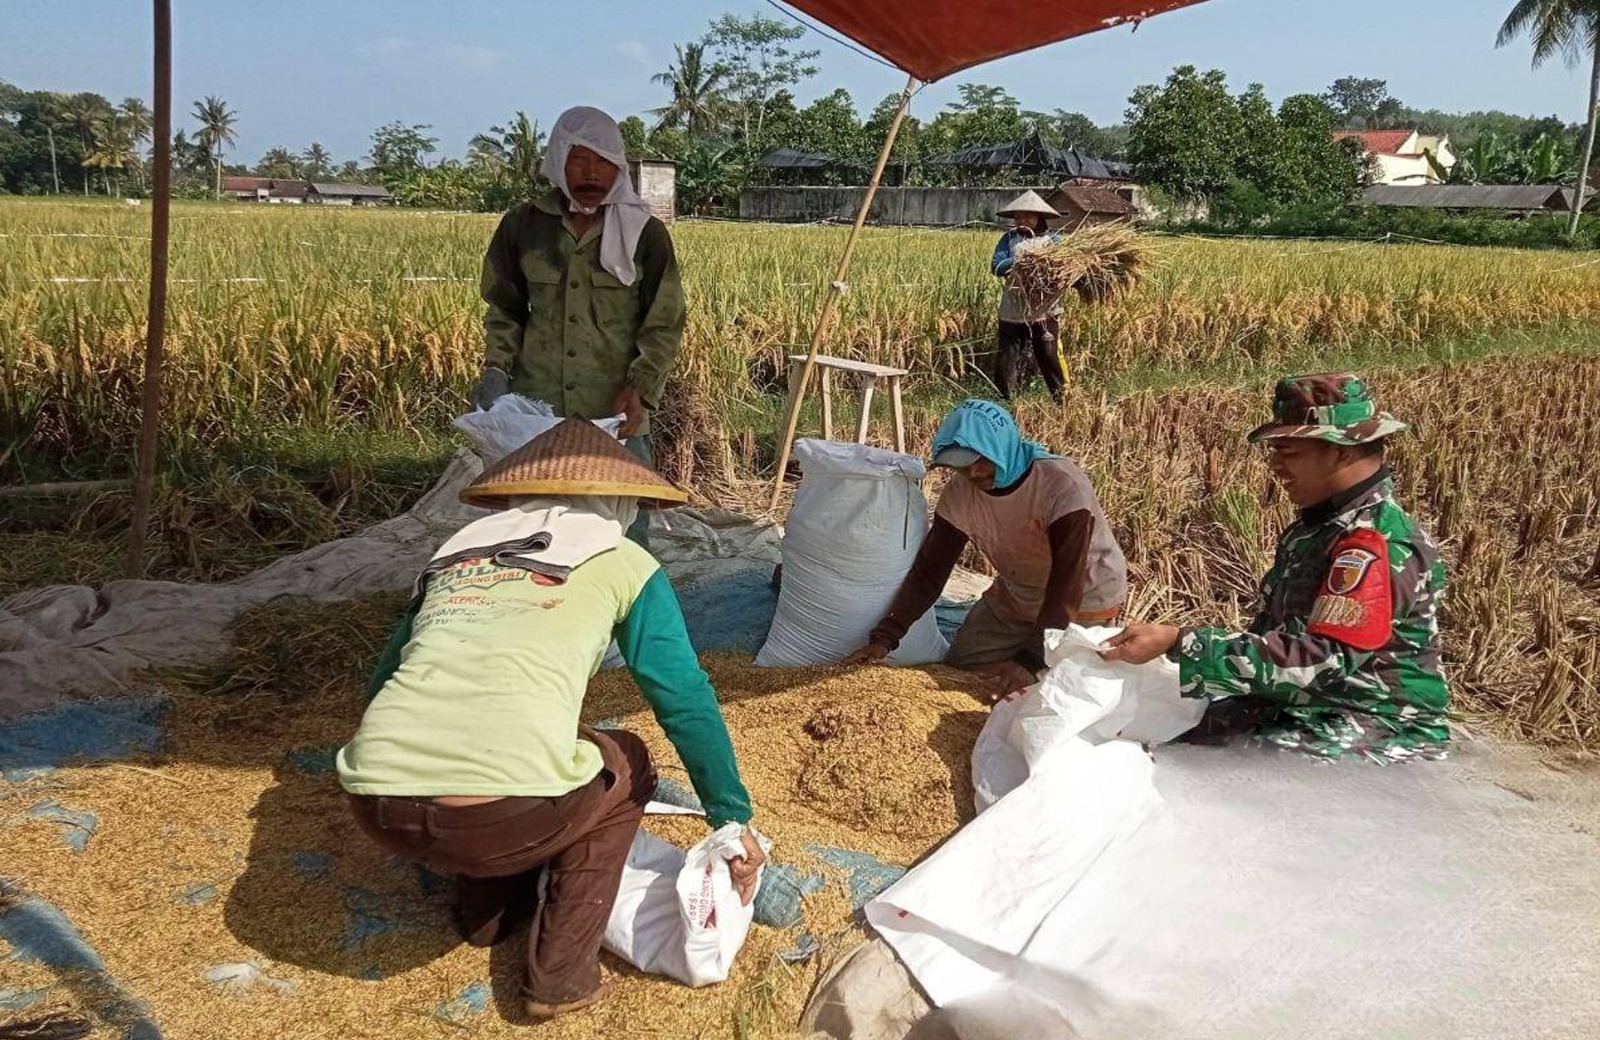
x,y
856,525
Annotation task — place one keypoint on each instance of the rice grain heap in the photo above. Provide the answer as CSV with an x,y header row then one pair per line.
x,y
231,854
1098,261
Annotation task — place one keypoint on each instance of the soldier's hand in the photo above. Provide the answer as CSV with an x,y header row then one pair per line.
x,y
1138,644
630,405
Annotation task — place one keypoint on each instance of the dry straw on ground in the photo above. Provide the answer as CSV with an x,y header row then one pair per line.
x,y
230,805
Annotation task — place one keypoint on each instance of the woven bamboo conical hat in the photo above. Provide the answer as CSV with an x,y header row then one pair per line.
x,y
1027,202
574,458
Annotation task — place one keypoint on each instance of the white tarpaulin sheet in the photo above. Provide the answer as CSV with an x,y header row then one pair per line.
x,y
1248,894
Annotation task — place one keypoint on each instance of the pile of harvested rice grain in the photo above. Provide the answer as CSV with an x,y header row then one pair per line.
x,y
234,846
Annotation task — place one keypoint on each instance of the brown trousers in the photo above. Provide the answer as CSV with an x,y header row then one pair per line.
x,y
1017,340
987,638
497,851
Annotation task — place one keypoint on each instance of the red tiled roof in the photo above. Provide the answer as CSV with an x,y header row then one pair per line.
x,y
1379,142
245,183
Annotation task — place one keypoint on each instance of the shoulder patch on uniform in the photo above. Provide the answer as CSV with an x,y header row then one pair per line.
x,y
1355,604
1348,568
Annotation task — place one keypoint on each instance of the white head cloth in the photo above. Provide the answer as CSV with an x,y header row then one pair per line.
x,y
552,535
625,212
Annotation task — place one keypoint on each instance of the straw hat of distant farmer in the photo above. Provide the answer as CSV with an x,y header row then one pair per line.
x,y
1028,210
1027,202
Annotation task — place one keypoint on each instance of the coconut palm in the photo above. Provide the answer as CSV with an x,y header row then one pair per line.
x,y
511,152
699,92
82,113
217,121
317,161
141,121
50,114
113,147
1568,28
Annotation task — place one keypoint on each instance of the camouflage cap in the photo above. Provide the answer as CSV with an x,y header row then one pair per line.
x,y
1333,407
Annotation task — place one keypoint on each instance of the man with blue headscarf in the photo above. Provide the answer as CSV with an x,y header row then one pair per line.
x,y
1036,517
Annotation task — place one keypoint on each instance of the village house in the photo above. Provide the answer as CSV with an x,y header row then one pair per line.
x,y
284,191
1403,156
1082,204
656,181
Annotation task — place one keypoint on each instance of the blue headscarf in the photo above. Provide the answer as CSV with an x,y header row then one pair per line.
x,y
989,430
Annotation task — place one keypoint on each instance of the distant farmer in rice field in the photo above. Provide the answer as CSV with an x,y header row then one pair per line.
x,y
1026,327
471,758
585,310
1036,517
1343,656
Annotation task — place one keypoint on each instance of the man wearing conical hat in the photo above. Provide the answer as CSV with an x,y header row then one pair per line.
x,y
471,757
585,307
1343,656
1026,328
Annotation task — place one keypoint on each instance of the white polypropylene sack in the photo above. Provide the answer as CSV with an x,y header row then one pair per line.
x,y
1056,790
678,914
858,520
511,422
1082,695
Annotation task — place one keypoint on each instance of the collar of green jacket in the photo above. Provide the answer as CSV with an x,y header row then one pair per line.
x,y
549,202
1329,508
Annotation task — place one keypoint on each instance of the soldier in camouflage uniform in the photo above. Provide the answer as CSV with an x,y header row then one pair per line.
x,y
1343,656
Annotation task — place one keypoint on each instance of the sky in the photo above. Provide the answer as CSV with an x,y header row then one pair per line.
x,y
297,71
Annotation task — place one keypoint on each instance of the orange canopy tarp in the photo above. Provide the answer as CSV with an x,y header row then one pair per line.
x,y
932,38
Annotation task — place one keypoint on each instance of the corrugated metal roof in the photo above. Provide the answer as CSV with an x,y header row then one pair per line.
x,y
1033,152
793,159
376,191
1466,196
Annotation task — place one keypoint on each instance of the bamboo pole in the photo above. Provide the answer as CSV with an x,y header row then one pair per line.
x,y
156,316
836,288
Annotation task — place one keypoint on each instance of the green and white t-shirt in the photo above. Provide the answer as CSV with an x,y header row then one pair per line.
x,y
488,691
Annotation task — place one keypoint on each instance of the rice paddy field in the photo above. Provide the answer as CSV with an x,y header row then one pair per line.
x,y
317,358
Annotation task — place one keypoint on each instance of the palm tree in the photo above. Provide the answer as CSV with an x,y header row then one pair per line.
x,y
1567,28
113,147
699,93
82,112
317,161
511,152
216,130
50,114
141,121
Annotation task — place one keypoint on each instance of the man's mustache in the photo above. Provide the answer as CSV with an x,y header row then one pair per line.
x,y
590,186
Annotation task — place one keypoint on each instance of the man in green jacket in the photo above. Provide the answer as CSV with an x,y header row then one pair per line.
x,y
1343,657
585,308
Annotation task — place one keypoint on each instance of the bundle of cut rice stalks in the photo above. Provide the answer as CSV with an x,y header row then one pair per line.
x,y
1097,261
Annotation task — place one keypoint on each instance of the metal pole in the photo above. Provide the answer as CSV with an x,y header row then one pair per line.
x,y
835,290
156,318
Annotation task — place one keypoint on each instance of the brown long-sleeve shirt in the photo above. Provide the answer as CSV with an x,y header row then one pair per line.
x,y
1069,538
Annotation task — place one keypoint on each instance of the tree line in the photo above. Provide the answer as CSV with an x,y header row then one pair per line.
x,y
731,98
